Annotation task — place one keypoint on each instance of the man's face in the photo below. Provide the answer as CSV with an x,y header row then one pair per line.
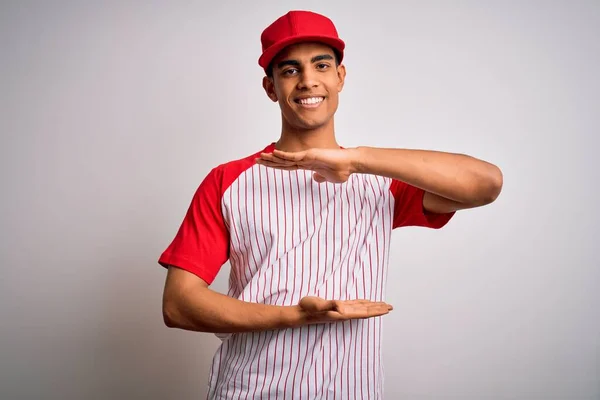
x,y
306,83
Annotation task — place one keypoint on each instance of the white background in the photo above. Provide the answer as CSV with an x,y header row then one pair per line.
x,y
111,113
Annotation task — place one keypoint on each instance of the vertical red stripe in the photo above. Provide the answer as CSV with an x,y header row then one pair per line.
x,y
301,291
260,198
370,324
292,331
232,354
318,277
325,276
251,270
311,185
276,244
286,269
242,242
277,333
249,364
346,361
377,321
254,198
355,322
239,245
235,371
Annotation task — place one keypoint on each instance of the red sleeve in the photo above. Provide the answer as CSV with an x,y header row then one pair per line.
x,y
408,208
201,245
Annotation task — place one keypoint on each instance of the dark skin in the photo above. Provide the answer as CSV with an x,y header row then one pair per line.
x,y
306,83
451,181
299,71
302,71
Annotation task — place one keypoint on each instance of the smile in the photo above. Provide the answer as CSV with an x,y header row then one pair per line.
x,y
310,102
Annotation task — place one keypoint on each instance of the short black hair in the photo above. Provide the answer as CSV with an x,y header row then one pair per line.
x,y
269,70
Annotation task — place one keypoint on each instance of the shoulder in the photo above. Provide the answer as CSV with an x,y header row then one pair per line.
x,y
230,171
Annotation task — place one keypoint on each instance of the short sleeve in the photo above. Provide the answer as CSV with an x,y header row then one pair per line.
x,y
408,208
201,246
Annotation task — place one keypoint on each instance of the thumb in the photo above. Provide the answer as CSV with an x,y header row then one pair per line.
x,y
318,177
313,304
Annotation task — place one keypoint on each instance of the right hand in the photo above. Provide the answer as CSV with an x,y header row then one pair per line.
x,y
316,310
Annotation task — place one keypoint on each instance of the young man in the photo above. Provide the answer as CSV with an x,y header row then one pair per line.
x,y
306,226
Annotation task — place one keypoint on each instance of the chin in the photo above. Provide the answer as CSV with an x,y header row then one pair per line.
x,y
300,122
311,125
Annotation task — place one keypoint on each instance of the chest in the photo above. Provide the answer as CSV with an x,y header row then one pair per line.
x,y
271,204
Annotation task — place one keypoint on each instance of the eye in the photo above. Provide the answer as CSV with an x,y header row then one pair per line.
x,y
290,71
322,66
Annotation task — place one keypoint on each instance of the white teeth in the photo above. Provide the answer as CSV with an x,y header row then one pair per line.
x,y
311,100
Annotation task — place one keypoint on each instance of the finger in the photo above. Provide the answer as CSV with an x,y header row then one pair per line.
x,y
273,158
315,304
291,156
380,305
375,303
356,302
319,178
359,301
380,309
373,312
277,165
366,309
364,314
339,307
335,316
329,305
377,306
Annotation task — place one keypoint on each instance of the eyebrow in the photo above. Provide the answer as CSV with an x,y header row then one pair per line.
x,y
296,63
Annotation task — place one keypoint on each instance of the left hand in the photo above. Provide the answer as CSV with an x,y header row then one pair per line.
x,y
331,165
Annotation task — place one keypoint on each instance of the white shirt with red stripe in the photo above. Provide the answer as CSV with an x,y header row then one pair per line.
x,y
286,237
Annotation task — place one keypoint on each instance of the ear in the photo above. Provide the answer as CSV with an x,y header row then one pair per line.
x,y
341,71
269,87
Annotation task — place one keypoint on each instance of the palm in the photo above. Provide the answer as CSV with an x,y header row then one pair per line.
x,y
332,165
319,310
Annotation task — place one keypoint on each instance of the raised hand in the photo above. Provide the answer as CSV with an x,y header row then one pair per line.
x,y
332,165
317,310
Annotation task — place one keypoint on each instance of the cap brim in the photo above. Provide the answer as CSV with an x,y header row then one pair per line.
x,y
268,55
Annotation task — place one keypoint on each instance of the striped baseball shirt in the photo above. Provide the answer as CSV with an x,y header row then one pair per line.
x,y
286,237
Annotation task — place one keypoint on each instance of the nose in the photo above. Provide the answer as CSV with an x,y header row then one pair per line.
x,y
308,79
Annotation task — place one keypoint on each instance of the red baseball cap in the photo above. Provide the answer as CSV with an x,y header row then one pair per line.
x,y
295,27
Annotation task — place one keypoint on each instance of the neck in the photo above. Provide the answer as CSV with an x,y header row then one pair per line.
x,y
295,139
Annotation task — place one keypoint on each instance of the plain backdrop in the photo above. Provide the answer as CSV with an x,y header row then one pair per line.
x,y
111,113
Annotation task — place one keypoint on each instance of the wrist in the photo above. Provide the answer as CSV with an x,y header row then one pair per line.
x,y
292,316
357,164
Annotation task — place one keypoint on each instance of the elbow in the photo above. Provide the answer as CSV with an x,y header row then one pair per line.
x,y
496,180
173,310
491,185
183,303
488,187
177,314
170,313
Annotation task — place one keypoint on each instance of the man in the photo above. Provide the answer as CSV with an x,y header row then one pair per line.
x,y
306,226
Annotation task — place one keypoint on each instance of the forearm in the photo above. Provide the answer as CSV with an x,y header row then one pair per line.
x,y
205,310
457,177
